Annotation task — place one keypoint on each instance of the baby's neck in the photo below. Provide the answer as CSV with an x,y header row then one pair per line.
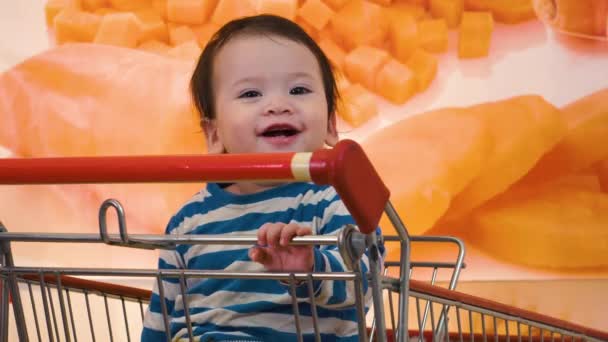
x,y
246,188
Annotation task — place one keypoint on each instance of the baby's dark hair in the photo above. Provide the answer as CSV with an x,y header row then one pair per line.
x,y
201,86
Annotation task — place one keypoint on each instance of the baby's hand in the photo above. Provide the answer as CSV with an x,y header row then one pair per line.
x,y
275,253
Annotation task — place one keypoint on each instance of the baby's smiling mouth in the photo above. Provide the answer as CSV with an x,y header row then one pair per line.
x,y
279,130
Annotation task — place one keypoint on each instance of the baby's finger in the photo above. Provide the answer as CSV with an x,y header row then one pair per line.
x,y
258,255
274,233
262,233
287,233
303,231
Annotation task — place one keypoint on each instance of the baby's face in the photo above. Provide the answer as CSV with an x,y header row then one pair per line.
x,y
269,97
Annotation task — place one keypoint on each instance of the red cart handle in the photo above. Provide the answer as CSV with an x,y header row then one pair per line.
x,y
345,167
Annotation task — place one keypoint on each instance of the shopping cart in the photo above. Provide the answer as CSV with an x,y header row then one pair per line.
x,y
61,303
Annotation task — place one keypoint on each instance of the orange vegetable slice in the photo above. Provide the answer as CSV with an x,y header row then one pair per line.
x,y
426,159
536,231
188,50
154,46
129,5
504,11
523,129
584,144
582,17
53,7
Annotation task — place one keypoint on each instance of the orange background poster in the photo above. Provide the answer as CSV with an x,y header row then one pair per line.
x,y
488,122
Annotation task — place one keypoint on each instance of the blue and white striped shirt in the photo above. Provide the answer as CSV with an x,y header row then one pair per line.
x,y
254,309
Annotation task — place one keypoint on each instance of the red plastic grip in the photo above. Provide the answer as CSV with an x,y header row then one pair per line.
x,y
144,169
350,172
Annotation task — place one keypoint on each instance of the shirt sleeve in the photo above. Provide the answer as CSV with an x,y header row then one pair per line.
x,y
339,293
154,322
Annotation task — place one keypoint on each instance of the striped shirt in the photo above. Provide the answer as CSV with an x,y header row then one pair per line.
x,y
254,309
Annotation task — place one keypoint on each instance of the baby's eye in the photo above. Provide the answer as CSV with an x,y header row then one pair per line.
x,y
299,91
249,93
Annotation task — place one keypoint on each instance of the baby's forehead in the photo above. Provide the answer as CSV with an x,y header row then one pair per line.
x,y
260,55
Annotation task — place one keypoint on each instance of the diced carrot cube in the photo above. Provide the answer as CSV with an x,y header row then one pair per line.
x,y
74,25
475,34
283,8
227,10
363,63
120,29
358,105
152,25
396,82
360,22
450,10
513,11
191,12
204,32
53,7
129,5
424,66
188,50
404,37
336,4
92,5
433,35
154,46
334,52
181,34
316,13
160,6
421,3
398,10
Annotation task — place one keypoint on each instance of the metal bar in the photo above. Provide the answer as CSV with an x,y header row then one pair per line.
x,y
359,304
4,307
53,315
124,312
105,300
458,323
404,237
392,309
420,326
141,309
313,307
86,298
11,286
67,292
64,316
471,329
161,238
432,321
495,329
375,268
45,304
163,306
182,285
346,276
483,328
296,309
29,287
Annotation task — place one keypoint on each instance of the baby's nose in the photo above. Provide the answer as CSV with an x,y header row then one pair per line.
x,y
278,106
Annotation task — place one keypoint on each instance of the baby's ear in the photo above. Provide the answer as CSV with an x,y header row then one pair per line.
x,y
214,144
332,131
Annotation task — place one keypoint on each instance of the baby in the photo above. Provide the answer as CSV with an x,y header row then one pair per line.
x,y
262,85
